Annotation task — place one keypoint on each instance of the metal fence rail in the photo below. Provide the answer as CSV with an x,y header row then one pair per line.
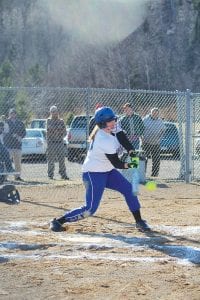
x,y
181,108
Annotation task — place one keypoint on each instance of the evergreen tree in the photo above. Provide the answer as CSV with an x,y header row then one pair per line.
x,y
6,80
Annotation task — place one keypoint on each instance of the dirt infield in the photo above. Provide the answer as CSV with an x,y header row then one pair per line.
x,y
102,257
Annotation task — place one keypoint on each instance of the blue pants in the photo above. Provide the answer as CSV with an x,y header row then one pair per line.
x,y
95,184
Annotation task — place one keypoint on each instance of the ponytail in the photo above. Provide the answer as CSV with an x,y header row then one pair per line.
x,y
93,133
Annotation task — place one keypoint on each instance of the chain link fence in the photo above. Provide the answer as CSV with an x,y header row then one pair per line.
x,y
180,111
195,133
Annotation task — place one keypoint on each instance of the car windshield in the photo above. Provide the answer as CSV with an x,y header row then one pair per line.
x,y
38,124
33,133
79,122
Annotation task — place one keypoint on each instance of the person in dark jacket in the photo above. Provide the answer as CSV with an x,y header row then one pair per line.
x,y
133,125
56,130
13,140
5,160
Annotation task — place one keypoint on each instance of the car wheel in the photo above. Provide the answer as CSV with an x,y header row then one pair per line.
x,y
176,154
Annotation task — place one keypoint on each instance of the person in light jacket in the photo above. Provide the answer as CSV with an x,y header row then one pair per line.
x,y
154,129
13,140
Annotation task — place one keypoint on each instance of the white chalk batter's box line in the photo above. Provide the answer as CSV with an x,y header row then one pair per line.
x,y
93,256
95,242
24,226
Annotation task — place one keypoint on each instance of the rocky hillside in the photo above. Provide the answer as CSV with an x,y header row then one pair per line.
x,y
164,53
160,52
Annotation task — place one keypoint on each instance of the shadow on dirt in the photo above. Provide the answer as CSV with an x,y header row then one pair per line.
x,y
158,242
42,204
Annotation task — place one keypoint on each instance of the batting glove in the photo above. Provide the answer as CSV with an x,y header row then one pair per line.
x,y
134,164
134,160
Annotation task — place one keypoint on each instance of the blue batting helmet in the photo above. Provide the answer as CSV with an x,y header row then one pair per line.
x,y
104,115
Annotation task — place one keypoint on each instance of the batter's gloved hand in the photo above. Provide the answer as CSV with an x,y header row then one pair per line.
x,y
134,159
134,164
132,153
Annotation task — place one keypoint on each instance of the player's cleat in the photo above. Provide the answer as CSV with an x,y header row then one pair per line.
x,y
56,226
142,226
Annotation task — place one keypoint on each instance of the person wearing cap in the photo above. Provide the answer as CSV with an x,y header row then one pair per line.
x,y
117,131
153,133
56,131
13,140
133,125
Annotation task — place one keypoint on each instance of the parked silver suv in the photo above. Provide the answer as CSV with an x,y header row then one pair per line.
x,y
77,137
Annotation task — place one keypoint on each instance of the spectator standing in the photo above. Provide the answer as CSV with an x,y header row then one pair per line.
x,y
153,133
4,154
13,140
2,134
6,127
56,131
133,125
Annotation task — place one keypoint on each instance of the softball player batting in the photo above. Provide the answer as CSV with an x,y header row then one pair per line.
x,y
100,172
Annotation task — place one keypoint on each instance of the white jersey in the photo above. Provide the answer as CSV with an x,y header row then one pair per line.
x,y
96,160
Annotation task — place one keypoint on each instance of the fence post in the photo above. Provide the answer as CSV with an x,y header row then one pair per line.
x,y
88,108
188,138
180,119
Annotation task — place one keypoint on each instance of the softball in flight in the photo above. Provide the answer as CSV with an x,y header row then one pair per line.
x,y
151,185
